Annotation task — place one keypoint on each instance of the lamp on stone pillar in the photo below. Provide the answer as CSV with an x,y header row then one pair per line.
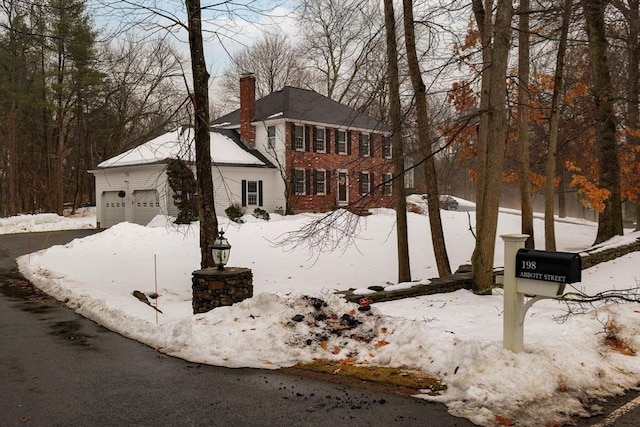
x,y
220,251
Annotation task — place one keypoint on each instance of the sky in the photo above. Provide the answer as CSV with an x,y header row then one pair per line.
x,y
456,337
226,29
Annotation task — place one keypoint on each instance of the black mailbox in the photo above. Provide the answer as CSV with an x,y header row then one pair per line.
x,y
561,267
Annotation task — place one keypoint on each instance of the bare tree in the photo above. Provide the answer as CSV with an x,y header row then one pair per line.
x,y
425,143
631,12
165,18
610,220
340,38
200,99
143,93
558,80
495,36
273,60
404,270
524,100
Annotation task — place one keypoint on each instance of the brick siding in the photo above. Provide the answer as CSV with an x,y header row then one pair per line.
x,y
310,161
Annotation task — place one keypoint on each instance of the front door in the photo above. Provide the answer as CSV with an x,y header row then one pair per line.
x,y
343,188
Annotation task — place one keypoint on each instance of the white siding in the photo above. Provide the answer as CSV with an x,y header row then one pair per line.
x,y
277,156
130,179
149,178
227,187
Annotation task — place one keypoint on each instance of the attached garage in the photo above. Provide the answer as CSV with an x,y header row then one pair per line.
x,y
113,207
146,205
133,186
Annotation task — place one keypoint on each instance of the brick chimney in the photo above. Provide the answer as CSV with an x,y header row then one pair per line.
x,y
247,108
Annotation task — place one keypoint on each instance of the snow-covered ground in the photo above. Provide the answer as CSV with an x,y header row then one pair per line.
x,y
85,218
456,336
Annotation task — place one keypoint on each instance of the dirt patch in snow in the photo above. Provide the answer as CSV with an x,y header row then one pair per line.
x,y
396,381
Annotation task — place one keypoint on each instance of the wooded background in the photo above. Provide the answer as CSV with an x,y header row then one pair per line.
x,y
75,91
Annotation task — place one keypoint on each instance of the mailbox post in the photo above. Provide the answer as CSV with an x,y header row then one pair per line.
x,y
513,317
537,274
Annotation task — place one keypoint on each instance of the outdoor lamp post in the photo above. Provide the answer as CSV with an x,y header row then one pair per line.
x,y
220,251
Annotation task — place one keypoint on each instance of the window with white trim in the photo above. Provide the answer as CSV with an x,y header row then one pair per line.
x,y
365,183
298,135
365,145
271,137
299,182
341,142
386,148
252,193
320,182
319,140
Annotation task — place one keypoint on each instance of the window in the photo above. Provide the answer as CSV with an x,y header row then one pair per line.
x,y
386,148
299,187
252,193
341,142
365,145
387,189
319,140
271,137
366,179
298,136
320,182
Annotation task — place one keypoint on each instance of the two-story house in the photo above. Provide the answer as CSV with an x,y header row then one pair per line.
x,y
291,151
329,155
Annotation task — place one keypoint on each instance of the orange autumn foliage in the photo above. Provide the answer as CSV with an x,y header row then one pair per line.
x,y
589,191
630,166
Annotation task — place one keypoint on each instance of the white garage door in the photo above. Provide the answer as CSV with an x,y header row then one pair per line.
x,y
112,208
145,206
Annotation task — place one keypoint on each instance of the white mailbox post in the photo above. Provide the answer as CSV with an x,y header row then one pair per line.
x,y
537,274
513,323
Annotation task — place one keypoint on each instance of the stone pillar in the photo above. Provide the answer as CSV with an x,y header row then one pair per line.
x,y
215,288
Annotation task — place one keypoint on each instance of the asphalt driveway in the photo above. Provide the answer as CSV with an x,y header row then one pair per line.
x,y
60,369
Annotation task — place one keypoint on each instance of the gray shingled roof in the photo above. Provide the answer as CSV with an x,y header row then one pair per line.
x,y
305,105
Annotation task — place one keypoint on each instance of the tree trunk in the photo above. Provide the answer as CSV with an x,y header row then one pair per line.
x,y
12,160
59,150
435,222
633,107
562,199
526,202
610,220
554,122
404,271
492,134
206,207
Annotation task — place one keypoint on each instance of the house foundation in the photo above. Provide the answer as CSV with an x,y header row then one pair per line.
x,y
215,288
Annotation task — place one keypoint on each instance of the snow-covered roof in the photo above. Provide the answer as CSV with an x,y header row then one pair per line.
x,y
180,144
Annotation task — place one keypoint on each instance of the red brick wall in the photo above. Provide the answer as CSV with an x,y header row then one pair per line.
x,y
354,163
